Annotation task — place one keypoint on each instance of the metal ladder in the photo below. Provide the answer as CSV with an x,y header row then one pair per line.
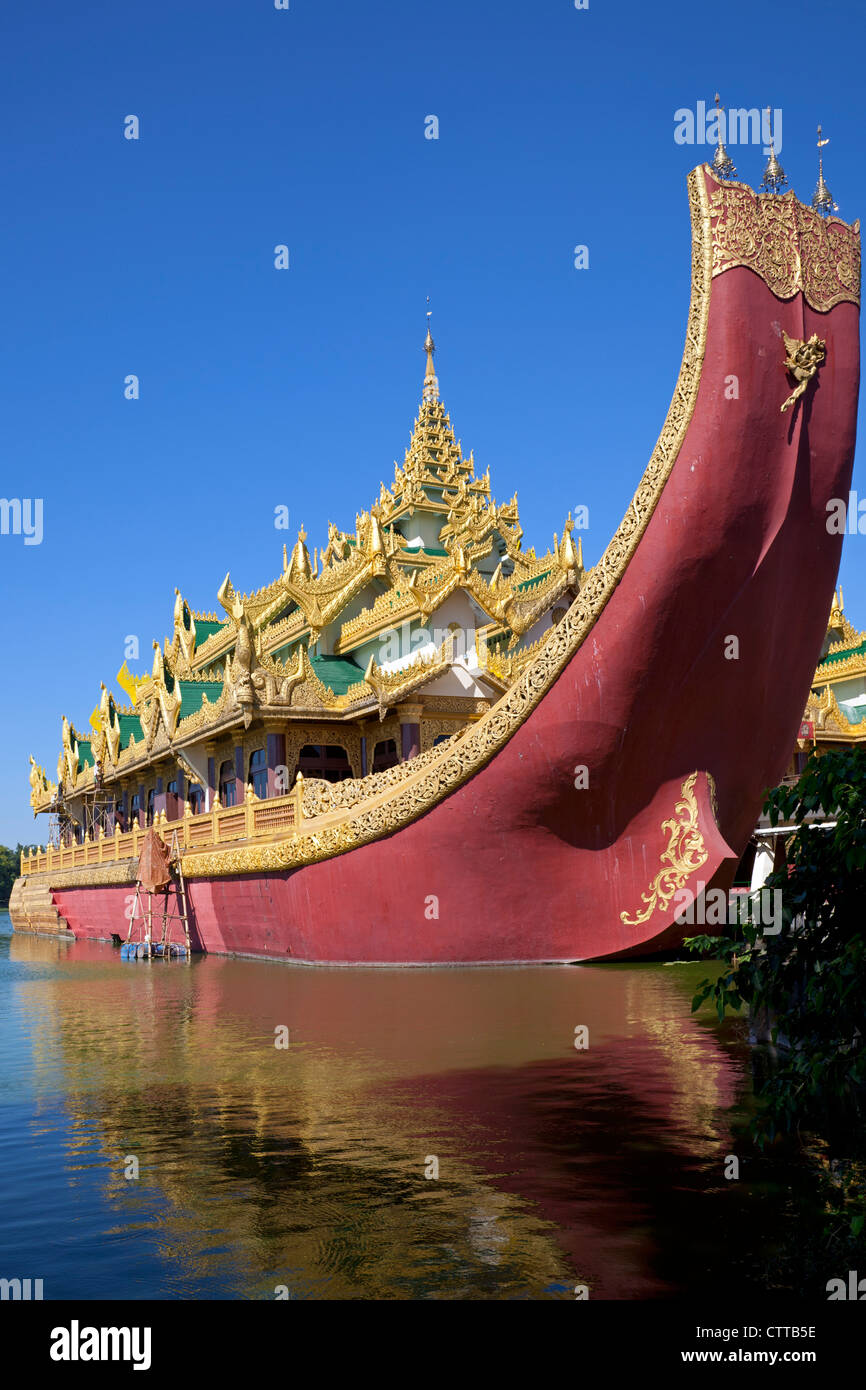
x,y
165,947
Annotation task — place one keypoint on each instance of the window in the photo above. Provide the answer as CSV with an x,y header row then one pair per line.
x,y
385,755
135,811
259,772
148,819
171,801
459,639
441,738
328,762
228,783
195,797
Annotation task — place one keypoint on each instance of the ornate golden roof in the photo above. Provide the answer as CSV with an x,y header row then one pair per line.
x,y
259,656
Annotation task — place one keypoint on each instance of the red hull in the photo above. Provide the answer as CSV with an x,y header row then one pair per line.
x,y
520,865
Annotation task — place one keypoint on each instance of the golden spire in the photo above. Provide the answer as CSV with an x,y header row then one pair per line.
x,y
569,556
723,165
300,565
376,544
837,619
822,201
775,177
431,384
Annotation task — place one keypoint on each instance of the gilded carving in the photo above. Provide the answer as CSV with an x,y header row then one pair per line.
x,y
824,710
390,687
685,853
41,789
789,245
802,360
431,729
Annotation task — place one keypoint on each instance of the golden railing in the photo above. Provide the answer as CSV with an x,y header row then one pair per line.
x,y
253,819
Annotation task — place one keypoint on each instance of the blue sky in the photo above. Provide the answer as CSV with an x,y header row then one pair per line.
x,y
261,387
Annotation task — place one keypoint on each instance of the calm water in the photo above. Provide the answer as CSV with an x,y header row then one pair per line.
x,y
305,1166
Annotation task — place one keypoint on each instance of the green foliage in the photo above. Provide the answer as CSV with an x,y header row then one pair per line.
x,y
808,983
10,860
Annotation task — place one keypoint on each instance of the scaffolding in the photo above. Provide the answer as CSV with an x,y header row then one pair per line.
x,y
61,825
141,941
98,806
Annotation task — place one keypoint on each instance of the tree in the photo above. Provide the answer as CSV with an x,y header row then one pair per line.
x,y
10,860
809,980
807,986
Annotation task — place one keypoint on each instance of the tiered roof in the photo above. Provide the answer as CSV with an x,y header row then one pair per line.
x,y
296,646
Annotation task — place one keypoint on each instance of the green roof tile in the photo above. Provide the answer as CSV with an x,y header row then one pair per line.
x,y
844,654
336,672
130,727
536,579
192,693
204,629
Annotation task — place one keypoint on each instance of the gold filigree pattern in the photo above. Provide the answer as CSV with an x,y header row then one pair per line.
x,y
686,852
322,797
431,729
94,875
789,245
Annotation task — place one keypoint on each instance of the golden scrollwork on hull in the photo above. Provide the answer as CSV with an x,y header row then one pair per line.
x,y
789,245
686,852
94,876
466,755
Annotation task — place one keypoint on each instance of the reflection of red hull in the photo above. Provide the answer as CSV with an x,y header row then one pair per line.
x,y
557,1165
518,864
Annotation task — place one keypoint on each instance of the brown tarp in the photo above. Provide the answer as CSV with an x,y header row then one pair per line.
x,y
154,872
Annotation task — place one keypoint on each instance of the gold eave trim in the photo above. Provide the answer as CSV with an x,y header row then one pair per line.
x,y
413,796
789,245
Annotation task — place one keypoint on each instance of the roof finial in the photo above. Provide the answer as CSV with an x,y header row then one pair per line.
x,y
431,384
822,202
775,177
723,165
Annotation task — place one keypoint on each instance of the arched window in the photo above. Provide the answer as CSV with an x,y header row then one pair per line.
x,y
228,784
195,797
259,772
329,762
148,819
458,636
385,755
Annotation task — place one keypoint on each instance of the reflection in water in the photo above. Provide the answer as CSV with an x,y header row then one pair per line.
x,y
305,1166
